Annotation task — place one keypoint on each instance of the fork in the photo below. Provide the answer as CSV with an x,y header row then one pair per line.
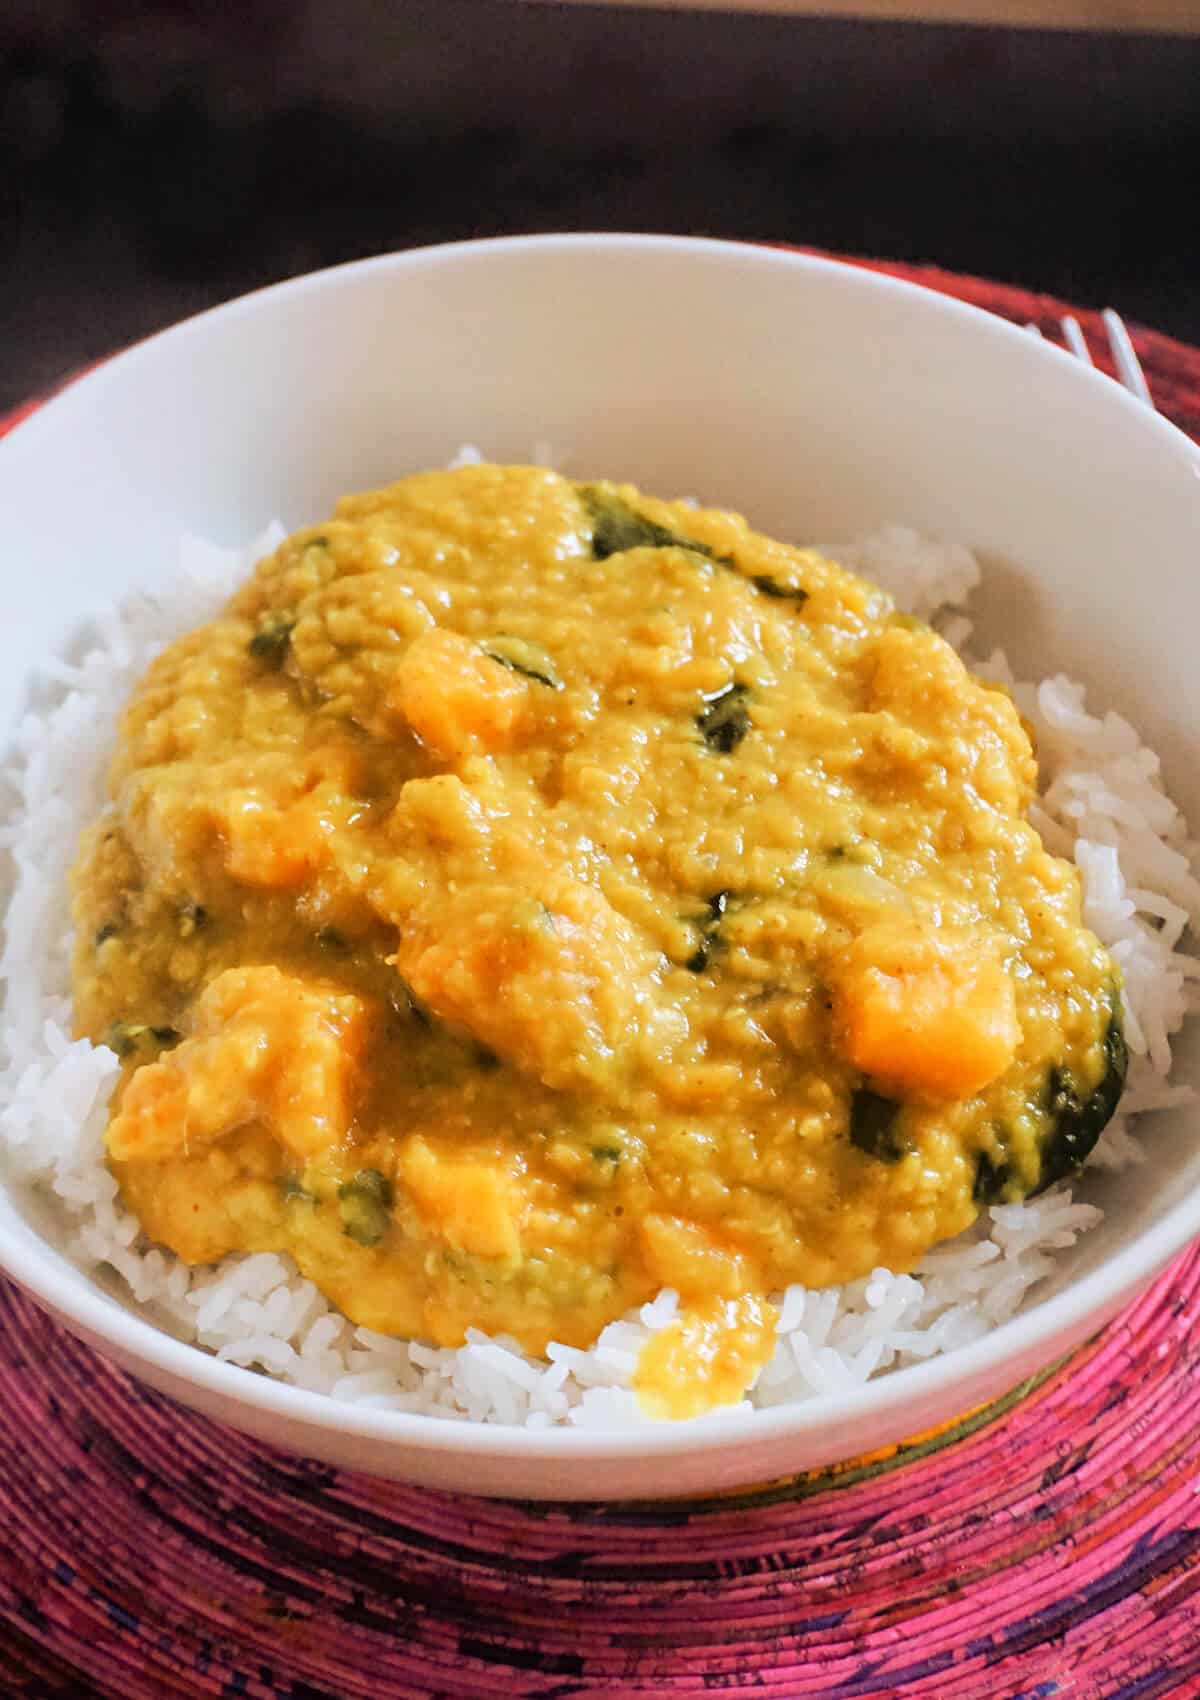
x,y
1129,367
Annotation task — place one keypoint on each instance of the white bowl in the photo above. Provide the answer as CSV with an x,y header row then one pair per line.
x,y
817,398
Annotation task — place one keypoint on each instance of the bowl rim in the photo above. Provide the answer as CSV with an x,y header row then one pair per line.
x,y
81,1303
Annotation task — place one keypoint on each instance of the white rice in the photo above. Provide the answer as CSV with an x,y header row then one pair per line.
x,y
1101,802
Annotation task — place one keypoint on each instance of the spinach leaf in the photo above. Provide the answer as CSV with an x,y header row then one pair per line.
x,y
725,720
699,959
874,1126
991,1178
126,1037
785,592
272,640
1075,1122
364,1202
616,527
528,659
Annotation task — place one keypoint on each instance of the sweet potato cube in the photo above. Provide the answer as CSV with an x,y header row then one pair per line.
x,y
455,698
925,1013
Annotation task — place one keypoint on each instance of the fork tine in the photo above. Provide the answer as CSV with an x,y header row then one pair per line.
x,y
1075,339
1129,367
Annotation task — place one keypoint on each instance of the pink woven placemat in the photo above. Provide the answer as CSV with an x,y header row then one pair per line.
x,y
1049,1546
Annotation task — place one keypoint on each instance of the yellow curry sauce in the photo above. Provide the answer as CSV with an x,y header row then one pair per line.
x,y
527,896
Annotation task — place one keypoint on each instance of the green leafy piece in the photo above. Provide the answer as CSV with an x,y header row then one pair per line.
x,y
294,1191
875,1126
364,1202
725,720
272,640
1076,1122
853,850
699,960
785,592
992,1176
616,527
125,1037
528,659
606,1153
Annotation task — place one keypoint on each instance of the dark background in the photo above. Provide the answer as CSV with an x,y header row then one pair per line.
x,y
157,158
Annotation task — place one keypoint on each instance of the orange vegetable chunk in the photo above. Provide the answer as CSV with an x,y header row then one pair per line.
x,y
473,1205
457,699
925,1013
265,1047
552,985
